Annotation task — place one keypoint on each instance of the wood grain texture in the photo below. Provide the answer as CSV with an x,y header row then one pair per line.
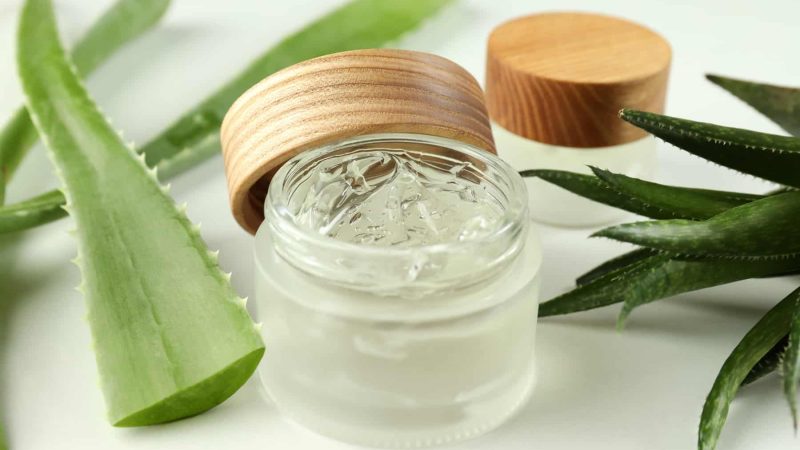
x,y
336,96
561,78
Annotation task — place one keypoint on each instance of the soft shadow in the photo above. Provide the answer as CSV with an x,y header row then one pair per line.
x,y
9,248
15,286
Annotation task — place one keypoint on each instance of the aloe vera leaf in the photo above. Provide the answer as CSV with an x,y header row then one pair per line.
x,y
656,277
49,207
190,157
768,363
125,20
758,230
33,212
769,156
194,137
780,104
680,202
617,263
595,189
171,337
791,361
755,344
358,24
645,198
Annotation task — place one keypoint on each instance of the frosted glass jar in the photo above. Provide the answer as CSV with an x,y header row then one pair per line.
x,y
382,341
554,205
555,83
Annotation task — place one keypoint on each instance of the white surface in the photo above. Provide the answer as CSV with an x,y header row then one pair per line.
x,y
598,388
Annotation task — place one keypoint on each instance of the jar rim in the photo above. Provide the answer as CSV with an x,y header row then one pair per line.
x,y
279,218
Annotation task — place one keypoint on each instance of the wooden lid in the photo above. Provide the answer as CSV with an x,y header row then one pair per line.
x,y
561,78
342,95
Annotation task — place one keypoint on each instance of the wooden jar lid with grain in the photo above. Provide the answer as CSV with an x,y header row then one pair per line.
x,y
333,97
561,78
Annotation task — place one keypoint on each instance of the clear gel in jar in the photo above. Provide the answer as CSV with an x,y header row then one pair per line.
x,y
397,285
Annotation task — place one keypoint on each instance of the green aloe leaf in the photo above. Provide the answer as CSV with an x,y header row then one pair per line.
x,y
768,363
641,197
761,229
32,212
755,344
595,189
617,263
781,104
769,156
358,24
607,289
194,137
171,337
679,202
659,276
125,20
791,361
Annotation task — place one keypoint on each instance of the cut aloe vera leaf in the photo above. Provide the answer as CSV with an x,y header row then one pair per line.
x,y
755,344
125,20
193,138
172,339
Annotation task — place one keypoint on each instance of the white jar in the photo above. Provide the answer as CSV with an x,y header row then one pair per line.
x,y
555,83
554,205
382,341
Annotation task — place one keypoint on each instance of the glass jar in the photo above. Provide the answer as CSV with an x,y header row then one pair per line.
x,y
397,283
555,83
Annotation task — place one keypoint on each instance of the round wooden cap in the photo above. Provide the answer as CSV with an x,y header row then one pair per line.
x,y
326,99
561,78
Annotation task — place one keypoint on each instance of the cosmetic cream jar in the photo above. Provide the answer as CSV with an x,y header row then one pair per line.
x,y
555,83
396,268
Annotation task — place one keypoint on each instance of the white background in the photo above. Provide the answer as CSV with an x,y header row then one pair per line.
x,y
598,388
